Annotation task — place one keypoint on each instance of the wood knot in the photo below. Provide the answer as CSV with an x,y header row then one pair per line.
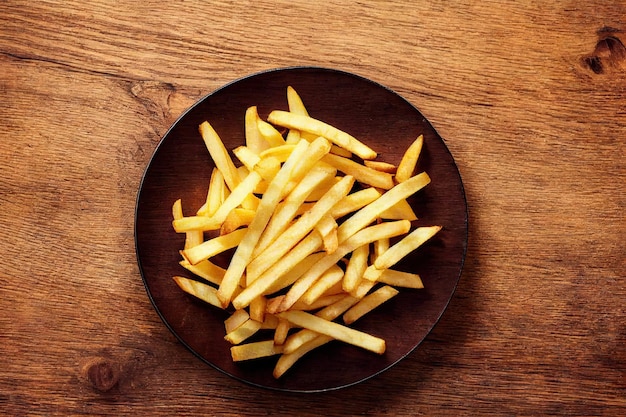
x,y
609,54
103,374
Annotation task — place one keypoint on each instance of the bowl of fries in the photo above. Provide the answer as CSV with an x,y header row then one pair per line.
x,y
301,229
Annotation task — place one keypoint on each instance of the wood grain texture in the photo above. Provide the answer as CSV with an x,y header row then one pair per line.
x,y
530,97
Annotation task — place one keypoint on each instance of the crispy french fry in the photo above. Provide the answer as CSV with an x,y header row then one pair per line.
x,y
356,267
355,201
321,302
400,279
317,127
213,246
254,141
406,245
206,270
247,157
192,237
282,330
237,218
335,330
295,102
381,166
270,134
327,228
329,278
216,194
257,308
318,149
235,320
286,361
199,290
255,350
361,173
236,198
279,152
243,332
409,160
369,303
401,210
367,214
289,277
220,155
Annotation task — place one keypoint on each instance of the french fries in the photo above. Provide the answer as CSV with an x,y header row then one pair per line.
x,y
311,230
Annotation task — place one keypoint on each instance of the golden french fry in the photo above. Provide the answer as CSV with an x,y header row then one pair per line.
x,y
322,188
270,199
294,273
368,214
220,155
356,267
381,166
295,102
282,330
192,237
327,228
369,303
247,157
318,149
235,320
268,168
355,201
236,198
317,127
329,278
254,141
361,173
270,134
400,279
270,322
363,288
237,218
216,194
199,290
255,350
206,270
279,152
406,245
286,361
257,308
409,160
321,302
214,246
243,332
401,210
335,330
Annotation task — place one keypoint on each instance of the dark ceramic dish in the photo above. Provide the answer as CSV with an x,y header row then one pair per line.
x,y
181,166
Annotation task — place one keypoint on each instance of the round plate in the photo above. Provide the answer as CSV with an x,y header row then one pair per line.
x,y
181,167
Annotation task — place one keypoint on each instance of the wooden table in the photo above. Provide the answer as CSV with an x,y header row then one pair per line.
x,y
529,96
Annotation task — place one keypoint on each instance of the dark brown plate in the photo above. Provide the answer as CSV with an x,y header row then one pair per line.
x,y
181,166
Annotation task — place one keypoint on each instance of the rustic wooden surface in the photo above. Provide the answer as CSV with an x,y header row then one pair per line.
x,y
530,97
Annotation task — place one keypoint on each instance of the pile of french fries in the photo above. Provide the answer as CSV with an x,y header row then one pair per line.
x,y
311,216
